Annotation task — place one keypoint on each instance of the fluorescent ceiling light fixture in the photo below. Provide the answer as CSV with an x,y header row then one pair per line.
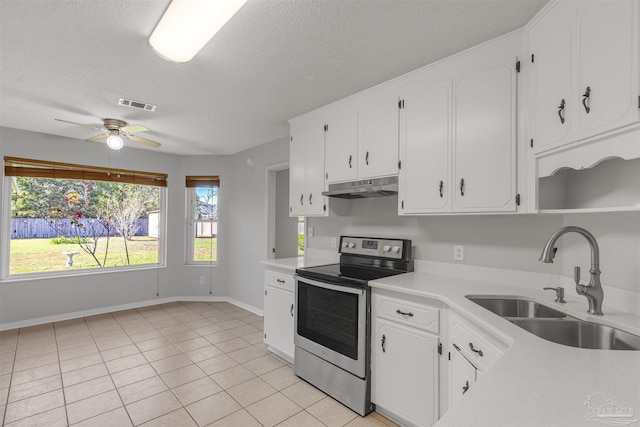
x,y
115,142
187,25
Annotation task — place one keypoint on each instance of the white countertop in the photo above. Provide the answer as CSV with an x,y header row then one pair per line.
x,y
535,382
290,264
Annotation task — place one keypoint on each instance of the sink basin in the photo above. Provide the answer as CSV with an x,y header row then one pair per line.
x,y
578,333
512,307
556,326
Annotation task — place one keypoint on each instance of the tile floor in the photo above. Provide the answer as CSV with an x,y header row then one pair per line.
x,y
177,364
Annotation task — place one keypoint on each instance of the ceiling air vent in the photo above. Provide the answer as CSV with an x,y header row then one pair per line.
x,y
137,104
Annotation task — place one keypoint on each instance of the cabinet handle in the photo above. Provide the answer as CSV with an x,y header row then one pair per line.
x,y
301,199
409,314
279,280
561,111
310,195
440,187
291,310
350,157
586,97
474,350
462,187
366,158
384,343
465,388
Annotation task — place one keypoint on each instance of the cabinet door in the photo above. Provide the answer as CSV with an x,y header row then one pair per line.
x,y
378,138
297,172
462,377
315,182
425,131
306,170
484,144
278,320
550,42
608,56
405,377
341,148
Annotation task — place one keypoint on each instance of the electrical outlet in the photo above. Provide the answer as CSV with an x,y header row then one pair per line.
x,y
458,253
202,280
310,232
334,242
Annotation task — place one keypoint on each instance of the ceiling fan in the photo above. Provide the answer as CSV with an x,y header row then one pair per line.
x,y
115,129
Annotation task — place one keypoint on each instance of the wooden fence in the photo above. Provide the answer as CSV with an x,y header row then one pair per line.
x,y
43,228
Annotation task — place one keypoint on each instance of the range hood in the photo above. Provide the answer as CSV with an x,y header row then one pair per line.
x,y
376,187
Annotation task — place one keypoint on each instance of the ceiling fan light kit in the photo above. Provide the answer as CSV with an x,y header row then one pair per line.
x,y
114,141
114,131
188,25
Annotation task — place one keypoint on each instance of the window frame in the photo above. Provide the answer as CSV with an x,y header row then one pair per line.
x,y
190,222
5,240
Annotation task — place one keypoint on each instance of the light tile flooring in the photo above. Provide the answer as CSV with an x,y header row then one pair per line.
x,y
177,364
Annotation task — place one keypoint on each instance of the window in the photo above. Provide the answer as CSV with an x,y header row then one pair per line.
x,y
66,218
202,220
301,235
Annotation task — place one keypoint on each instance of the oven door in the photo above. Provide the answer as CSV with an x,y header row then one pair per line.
x,y
331,323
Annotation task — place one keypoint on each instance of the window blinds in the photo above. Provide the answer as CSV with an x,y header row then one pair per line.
x,y
14,166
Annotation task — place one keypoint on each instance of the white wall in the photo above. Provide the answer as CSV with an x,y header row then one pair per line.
x,y
499,241
246,203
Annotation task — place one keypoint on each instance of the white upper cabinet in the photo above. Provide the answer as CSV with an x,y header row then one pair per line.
x,y
425,138
378,137
607,59
458,134
551,78
484,139
341,147
306,169
584,71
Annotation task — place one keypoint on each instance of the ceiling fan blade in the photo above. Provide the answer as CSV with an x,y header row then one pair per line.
x,y
97,138
80,124
134,129
144,141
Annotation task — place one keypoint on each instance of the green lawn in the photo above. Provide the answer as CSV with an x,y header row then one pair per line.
x,y
205,249
40,255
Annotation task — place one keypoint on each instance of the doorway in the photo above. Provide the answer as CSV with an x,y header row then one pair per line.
x,y
283,240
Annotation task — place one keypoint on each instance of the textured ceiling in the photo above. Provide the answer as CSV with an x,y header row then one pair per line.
x,y
276,59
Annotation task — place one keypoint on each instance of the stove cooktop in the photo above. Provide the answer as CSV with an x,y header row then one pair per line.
x,y
345,274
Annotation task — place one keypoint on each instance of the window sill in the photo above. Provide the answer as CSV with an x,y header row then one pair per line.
x,y
28,277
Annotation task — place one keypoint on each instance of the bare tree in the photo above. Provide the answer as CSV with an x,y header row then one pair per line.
x,y
122,213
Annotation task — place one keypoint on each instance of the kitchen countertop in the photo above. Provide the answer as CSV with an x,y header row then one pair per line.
x,y
290,264
535,382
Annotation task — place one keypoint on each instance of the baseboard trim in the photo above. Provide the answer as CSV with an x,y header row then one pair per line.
x,y
129,306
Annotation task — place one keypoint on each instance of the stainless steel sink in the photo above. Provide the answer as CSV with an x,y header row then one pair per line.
x,y
511,307
556,326
579,333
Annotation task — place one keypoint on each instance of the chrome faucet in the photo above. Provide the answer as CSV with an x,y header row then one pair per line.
x,y
592,291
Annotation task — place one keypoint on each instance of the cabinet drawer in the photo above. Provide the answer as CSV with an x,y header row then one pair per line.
x,y
474,347
280,280
419,316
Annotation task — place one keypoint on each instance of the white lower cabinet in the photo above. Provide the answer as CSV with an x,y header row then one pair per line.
x,y
463,375
472,351
279,313
405,364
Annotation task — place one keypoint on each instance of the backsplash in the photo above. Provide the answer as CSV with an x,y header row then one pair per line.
x,y
498,241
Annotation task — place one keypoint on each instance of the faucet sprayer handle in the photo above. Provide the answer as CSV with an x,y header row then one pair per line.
x,y
559,294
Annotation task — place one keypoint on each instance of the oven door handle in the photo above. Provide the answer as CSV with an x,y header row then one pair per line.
x,y
338,288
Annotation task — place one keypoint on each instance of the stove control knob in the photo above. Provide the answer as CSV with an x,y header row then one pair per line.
x,y
386,248
396,249
352,245
345,244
